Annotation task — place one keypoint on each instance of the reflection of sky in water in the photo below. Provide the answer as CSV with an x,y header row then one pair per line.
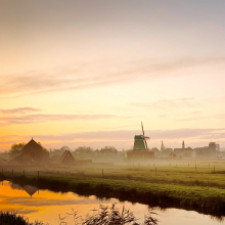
x,y
47,206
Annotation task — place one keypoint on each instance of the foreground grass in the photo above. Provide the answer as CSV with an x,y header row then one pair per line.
x,y
104,216
198,186
7,218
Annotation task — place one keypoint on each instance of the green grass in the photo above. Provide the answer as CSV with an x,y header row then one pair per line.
x,y
190,185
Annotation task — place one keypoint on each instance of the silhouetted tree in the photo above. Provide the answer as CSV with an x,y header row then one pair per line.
x,y
108,149
83,149
16,149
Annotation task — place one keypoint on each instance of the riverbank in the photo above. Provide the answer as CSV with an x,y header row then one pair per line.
x,y
201,189
7,218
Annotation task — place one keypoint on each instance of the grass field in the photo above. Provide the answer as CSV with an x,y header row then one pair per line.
x,y
190,185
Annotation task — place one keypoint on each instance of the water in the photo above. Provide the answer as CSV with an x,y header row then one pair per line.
x,y
48,206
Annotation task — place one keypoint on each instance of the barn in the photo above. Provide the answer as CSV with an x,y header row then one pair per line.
x,y
33,153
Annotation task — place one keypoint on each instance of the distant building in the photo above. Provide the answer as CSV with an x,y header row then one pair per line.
x,y
156,152
212,146
67,158
140,155
217,147
167,153
209,151
162,146
183,152
32,154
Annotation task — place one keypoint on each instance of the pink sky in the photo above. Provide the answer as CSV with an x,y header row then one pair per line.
x,y
88,72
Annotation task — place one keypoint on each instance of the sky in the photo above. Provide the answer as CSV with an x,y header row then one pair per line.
x,y
87,72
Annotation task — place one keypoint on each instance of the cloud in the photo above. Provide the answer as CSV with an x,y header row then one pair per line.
x,y
40,118
22,110
184,133
200,117
64,79
92,74
28,115
27,201
168,103
186,62
129,134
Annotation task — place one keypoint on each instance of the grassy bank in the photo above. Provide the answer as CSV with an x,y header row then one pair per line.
x,y
7,218
195,186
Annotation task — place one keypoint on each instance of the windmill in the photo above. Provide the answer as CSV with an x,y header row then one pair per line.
x,y
140,141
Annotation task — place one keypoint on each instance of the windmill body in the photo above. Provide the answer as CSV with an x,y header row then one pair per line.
x,y
140,152
140,141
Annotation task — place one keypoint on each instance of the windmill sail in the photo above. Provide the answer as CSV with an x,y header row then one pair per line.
x,y
144,137
142,127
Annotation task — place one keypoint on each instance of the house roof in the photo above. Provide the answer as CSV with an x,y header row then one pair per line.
x,y
30,189
32,144
67,157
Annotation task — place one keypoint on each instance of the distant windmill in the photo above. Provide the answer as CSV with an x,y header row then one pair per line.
x,y
140,141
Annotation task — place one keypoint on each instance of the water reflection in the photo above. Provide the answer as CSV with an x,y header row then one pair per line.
x,y
31,190
47,205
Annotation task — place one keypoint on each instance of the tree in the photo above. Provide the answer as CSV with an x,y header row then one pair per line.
x,y
16,149
109,149
84,150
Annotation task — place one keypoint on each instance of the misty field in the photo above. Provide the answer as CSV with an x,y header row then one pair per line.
x,y
191,185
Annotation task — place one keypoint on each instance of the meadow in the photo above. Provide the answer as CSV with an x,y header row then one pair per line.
x,y
193,185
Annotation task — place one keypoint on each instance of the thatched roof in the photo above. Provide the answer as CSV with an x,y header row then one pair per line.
x,y
30,189
16,186
31,147
31,153
67,157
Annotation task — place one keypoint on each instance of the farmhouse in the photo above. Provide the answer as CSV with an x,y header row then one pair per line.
x,y
33,153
